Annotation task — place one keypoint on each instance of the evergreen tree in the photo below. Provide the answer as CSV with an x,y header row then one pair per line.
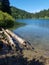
x,y
0,4
5,7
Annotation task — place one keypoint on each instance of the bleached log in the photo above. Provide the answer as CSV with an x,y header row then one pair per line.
x,y
11,43
4,41
1,36
20,40
1,32
16,37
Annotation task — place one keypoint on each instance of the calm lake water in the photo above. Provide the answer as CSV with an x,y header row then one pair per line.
x,y
36,32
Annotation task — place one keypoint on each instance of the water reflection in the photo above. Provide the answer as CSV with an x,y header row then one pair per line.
x,y
39,22
36,32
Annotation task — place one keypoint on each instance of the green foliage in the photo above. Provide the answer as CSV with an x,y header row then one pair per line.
x,y
18,13
21,14
42,14
6,20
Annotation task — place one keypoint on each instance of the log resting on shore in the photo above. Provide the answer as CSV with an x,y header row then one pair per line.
x,y
1,32
9,39
19,39
16,37
4,41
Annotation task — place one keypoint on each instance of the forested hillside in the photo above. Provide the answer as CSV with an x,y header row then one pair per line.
x,y
42,14
18,13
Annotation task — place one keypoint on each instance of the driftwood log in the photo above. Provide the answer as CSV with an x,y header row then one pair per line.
x,y
16,37
19,39
1,32
9,39
4,41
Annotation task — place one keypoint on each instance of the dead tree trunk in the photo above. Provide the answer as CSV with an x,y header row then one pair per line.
x,y
9,39
19,39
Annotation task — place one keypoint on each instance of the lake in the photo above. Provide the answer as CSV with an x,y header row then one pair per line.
x,y
36,32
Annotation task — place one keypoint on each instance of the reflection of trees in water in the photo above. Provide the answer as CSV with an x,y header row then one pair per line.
x,y
19,60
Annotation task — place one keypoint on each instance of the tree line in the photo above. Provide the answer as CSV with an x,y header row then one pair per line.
x,y
18,13
42,14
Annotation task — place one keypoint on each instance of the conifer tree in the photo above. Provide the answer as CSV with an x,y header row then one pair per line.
x,y
5,6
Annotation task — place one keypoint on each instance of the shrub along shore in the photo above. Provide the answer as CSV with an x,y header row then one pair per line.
x,y
7,21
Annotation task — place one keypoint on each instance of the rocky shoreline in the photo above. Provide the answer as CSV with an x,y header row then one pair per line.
x,y
22,55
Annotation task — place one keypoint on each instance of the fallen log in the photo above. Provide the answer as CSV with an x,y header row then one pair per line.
x,y
16,37
1,37
4,41
9,39
1,32
19,39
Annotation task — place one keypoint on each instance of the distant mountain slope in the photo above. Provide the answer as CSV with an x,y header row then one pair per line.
x,y
42,14
18,13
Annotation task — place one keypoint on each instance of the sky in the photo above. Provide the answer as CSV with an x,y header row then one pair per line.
x,y
31,6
